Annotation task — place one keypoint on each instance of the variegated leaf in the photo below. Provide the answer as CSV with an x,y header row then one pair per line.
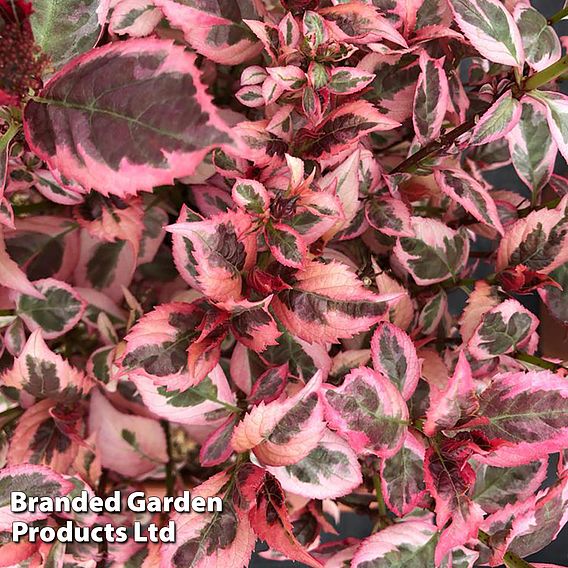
x,y
218,538
207,404
448,478
282,433
408,543
168,346
171,136
58,312
433,312
402,476
215,29
471,195
457,402
211,254
40,373
329,471
431,99
556,299
394,355
533,151
498,120
342,129
491,30
348,80
497,487
286,245
328,302
503,329
217,448
269,385
34,481
389,216
67,28
130,445
270,519
368,411
540,41
44,435
251,196
538,241
556,105
529,412
135,18
435,253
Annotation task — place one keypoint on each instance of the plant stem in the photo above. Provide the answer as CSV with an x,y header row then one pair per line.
x,y
170,477
433,147
513,561
560,15
379,494
537,361
546,75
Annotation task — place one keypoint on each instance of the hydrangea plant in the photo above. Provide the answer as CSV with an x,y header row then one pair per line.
x,y
230,232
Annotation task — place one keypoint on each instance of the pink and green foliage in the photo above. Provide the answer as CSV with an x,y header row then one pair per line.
x,y
234,239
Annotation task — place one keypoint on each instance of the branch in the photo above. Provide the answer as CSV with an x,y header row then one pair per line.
x,y
558,16
538,361
546,75
170,477
434,147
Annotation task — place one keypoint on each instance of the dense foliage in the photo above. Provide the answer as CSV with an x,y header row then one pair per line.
x,y
229,233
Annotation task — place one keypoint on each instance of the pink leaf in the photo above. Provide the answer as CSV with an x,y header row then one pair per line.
x,y
286,245
40,373
348,80
57,313
471,195
431,99
458,401
271,523
503,329
34,480
202,405
166,147
368,411
229,44
533,151
538,241
448,478
170,346
529,412
211,254
328,302
491,30
217,448
282,433
394,355
270,385
401,543
129,445
435,253
498,120
389,216
402,476
11,276
204,540
329,471
342,129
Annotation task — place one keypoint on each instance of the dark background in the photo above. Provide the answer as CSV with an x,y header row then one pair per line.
x,y
359,526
